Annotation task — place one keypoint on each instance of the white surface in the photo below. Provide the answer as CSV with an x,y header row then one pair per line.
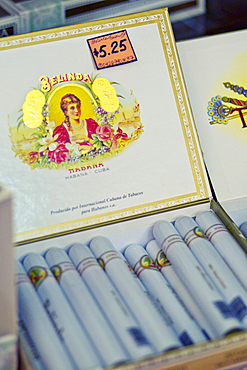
x,y
121,234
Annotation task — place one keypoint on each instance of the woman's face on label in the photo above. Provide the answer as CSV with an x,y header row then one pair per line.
x,y
74,111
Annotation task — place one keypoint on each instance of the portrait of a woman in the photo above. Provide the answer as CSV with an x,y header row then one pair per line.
x,y
74,128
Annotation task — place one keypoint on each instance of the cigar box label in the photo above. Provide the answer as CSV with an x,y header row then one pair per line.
x,y
37,275
170,240
102,166
74,121
87,263
162,260
214,229
62,267
112,49
226,109
193,234
56,270
145,262
107,257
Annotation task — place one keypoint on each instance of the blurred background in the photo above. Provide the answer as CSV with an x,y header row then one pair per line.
x,y
220,16
190,18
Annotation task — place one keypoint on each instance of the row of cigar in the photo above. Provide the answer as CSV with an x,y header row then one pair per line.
x,y
92,306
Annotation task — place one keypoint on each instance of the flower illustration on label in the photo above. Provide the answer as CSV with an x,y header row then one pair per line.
x,y
72,120
147,262
37,275
56,270
162,260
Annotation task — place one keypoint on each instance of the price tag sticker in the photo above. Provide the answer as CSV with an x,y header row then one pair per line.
x,y
112,49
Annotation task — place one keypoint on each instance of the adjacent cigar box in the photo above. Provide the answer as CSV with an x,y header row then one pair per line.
x,y
214,72
98,138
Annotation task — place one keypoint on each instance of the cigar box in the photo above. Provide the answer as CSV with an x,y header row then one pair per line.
x,y
67,180
215,78
127,156
8,332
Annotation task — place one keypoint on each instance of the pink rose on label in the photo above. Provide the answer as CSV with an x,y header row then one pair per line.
x,y
104,132
59,155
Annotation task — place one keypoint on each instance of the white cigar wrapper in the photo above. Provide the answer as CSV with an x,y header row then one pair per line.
x,y
204,293
61,313
224,242
87,309
37,326
145,312
166,268
215,266
110,301
161,291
